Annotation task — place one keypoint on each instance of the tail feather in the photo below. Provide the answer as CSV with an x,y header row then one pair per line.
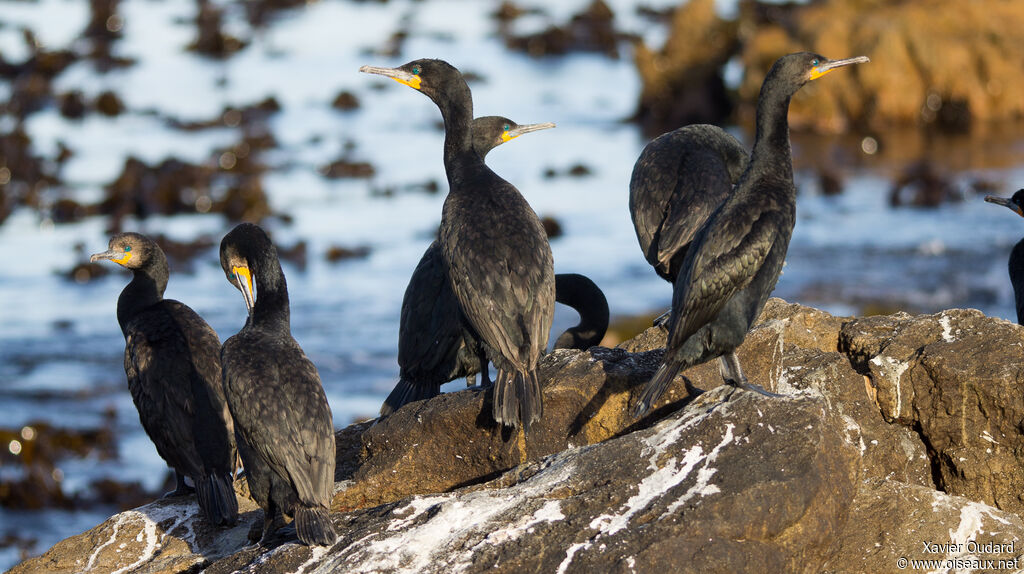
x,y
407,391
216,497
517,398
313,526
656,387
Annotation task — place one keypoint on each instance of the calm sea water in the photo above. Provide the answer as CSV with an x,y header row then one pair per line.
x,y
60,347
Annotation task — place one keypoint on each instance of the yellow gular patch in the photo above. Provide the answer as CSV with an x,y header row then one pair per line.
x,y
414,83
505,136
243,273
817,73
123,260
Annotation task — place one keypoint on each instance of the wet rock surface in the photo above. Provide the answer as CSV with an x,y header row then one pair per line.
x,y
893,432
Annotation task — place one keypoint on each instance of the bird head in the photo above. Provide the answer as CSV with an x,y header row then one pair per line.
x,y
490,132
1015,202
130,250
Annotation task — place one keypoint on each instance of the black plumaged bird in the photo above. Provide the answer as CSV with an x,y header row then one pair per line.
x,y
679,180
580,293
283,423
497,254
172,360
734,261
433,347
1016,203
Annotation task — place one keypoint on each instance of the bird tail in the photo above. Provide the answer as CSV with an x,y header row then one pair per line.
x,y
407,391
313,526
656,387
216,496
517,398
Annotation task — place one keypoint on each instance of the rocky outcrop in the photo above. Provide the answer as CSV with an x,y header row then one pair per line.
x,y
896,437
934,64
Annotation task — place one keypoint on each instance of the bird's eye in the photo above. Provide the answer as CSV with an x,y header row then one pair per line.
x,y
815,62
506,127
127,248
416,70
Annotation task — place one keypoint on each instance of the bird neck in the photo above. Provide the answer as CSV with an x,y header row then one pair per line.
x,y
772,151
271,310
456,104
592,306
144,290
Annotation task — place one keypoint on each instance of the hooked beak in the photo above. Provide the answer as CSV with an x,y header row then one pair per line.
x,y
396,74
1005,203
120,257
244,279
830,65
524,129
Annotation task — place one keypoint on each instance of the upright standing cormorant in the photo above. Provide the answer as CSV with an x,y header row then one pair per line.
x,y
283,423
432,344
172,360
734,261
679,180
1016,203
499,261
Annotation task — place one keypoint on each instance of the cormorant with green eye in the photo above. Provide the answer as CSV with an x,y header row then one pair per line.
x,y
283,423
497,254
734,261
172,360
432,346
1016,265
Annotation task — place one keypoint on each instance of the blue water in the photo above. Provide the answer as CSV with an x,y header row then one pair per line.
x,y
60,347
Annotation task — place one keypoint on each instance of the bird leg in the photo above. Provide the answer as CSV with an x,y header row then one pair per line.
x,y
485,376
181,488
662,320
273,520
729,367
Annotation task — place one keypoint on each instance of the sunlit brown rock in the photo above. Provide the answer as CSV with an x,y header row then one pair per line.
x,y
892,432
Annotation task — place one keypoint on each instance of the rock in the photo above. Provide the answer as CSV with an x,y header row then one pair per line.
x,y
896,437
168,535
954,378
926,66
890,520
682,82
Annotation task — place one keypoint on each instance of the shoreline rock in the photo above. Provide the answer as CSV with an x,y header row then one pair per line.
x,y
894,431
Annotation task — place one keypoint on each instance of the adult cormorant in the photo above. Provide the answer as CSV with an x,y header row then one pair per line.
x,y
734,261
580,293
678,181
1016,203
172,360
499,261
433,347
283,423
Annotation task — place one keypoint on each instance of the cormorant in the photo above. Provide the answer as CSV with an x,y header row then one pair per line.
x,y
734,261
678,181
172,360
432,345
580,293
498,257
283,423
1016,203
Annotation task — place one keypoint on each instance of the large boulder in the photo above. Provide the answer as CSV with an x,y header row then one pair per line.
x,y
892,433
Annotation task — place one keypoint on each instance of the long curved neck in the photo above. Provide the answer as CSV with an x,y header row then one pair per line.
x,y
456,105
271,310
771,151
587,299
145,289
